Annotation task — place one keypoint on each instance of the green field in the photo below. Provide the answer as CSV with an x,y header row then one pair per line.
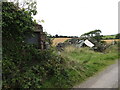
x,y
109,37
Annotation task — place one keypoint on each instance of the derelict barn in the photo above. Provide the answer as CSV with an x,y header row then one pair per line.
x,y
38,38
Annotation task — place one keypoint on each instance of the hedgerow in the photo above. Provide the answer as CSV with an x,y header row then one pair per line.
x,y
24,66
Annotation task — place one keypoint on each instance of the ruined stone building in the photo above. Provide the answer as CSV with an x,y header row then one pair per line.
x,y
38,38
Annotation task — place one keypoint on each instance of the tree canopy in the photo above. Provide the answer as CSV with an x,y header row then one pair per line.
x,y
93,34
118,36
16,23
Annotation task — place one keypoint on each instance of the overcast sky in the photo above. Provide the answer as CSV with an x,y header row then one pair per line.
x,y
76,17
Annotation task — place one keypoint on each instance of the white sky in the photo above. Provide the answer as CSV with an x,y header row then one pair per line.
x,y
75,17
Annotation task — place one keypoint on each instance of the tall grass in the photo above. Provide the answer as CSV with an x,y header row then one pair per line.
x,y
84,62
83,54
80,63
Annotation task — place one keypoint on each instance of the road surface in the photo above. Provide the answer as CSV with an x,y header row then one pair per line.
x,y
105,79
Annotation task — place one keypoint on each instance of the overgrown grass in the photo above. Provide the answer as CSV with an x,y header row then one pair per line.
x,y
47,69
83,62
80,63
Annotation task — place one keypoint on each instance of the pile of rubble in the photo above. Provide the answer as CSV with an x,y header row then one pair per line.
x,y
80,42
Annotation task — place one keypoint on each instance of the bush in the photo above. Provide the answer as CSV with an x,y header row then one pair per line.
x,y
33,69
24,66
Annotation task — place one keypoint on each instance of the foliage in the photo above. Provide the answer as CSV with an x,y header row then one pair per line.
x,y
93,34
84,62
108,36
95,37
27,74
17,23
118,36
61,36
27,5
24,66
80,63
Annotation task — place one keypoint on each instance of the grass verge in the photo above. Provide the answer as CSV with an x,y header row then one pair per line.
x,y
82,63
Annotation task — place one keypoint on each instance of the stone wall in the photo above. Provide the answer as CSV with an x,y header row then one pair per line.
x,y
38,38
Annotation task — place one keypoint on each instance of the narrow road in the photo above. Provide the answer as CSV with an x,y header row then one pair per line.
x,y
105,79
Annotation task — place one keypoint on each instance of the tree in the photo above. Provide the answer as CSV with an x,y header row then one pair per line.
x,y
118,36
16,24
27,5
56,35
95,37
93,34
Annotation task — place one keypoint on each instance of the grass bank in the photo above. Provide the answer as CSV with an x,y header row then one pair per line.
x,y
47,69
81,63
84,62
